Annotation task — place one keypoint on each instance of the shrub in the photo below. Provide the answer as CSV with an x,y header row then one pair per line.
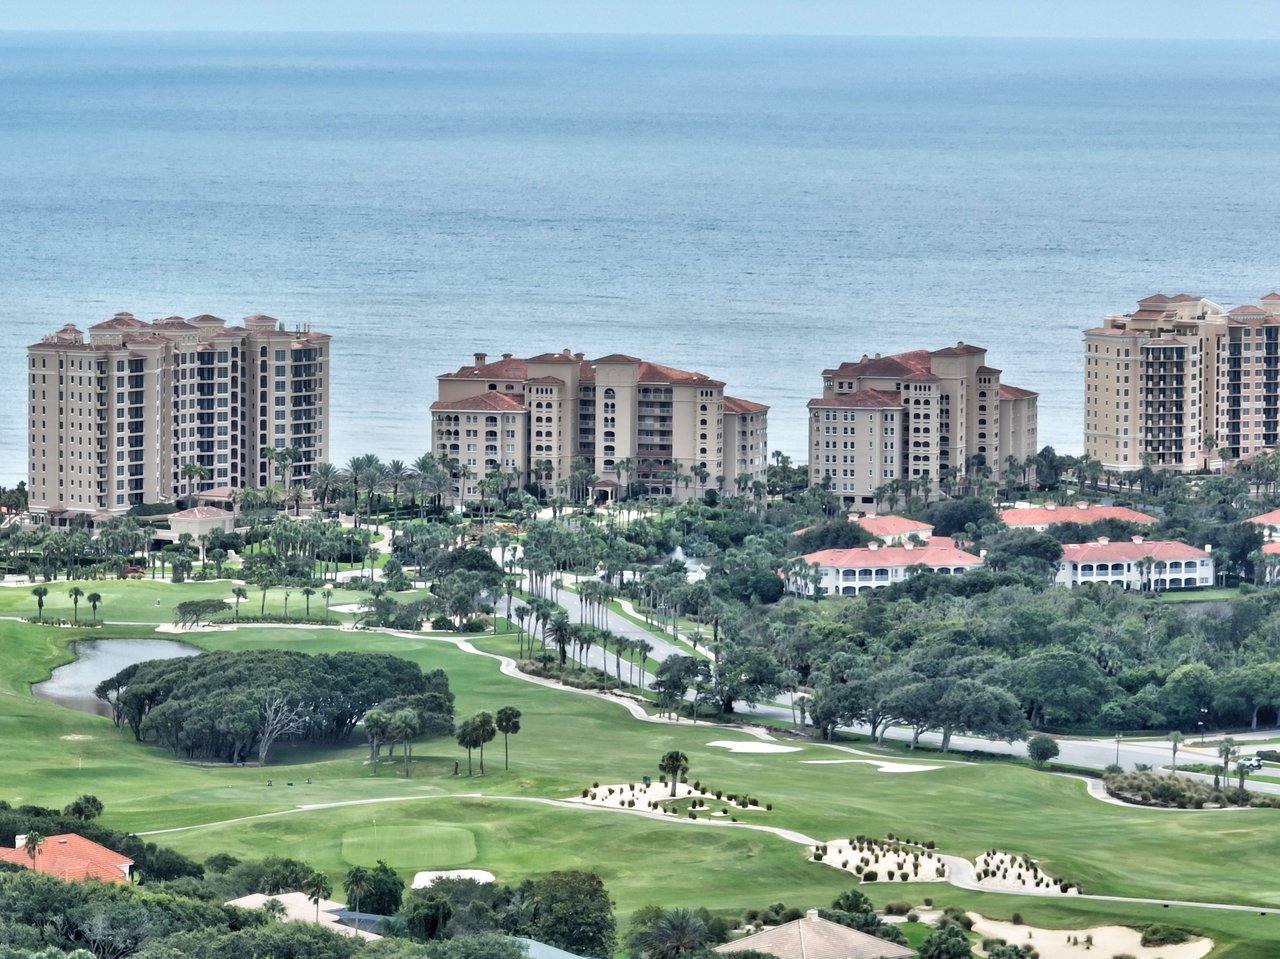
x,y
1016,919
897,908
1161,935
870,876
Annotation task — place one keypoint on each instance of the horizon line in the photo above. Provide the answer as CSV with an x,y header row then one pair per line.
x,y
280,31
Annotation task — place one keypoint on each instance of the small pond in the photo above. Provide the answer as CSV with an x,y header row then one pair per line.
x,y
98,659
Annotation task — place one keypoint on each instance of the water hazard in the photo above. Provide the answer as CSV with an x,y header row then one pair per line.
x,y
72,685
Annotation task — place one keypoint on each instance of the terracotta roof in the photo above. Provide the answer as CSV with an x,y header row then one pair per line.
x,y
1267,519
816,938
893,525
734,405
657,373
1015,392
173,323
490,400
1087,513
618,358
1272,296
1148,314
941,551
1129,551
201,512
72,857
206,318
1271,548
859,400
960,349
1183,298
553,358
259,317
1155,298
218,492
1248,310
897,365
1115,331
553,380
987,371
121,321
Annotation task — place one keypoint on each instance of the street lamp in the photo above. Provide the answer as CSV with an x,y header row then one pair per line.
x,y
1203,712
1117,749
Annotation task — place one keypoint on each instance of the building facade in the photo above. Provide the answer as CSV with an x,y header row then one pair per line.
x,y
552,418
918,415
1154,566
1182,384
848,572
125,415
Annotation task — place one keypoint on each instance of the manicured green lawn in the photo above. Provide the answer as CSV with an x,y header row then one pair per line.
x,y
570,740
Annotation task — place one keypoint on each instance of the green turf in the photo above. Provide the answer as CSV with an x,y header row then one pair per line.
x,y
570,740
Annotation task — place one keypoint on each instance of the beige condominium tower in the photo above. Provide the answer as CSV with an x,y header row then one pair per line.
x,y
922,416
140,412
1182,384
560,418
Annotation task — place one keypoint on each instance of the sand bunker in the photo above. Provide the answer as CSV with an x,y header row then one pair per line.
x,y
656,797
1100,941
875,860
1002,870
347,608
75,737
423,879
738,746
883,765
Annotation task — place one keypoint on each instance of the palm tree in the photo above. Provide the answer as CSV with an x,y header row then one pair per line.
x,y
76,593
324,482
358,882
508,722
671,935
467,739
1226,749
485,731
317,887
35,840
94,599
1174,738
40,592
327,594
561,633
307,593
675,764
239,593
402,728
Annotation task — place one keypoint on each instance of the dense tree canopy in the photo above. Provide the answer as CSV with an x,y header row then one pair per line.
x,y
224,705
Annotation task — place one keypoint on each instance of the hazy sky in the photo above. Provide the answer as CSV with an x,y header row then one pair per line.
x,y
1208,19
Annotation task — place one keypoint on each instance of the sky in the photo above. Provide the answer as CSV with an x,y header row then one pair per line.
x,y
1155,19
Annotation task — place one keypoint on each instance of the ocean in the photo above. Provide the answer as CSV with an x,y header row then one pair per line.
x,y
753,208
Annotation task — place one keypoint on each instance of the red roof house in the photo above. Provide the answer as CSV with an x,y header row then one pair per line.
x,y
70,857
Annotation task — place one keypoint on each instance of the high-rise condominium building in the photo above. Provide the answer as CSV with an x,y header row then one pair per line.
x,y
621,419
127,415
1181,383
919,415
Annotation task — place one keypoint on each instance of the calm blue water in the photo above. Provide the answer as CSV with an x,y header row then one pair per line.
x,y
753,208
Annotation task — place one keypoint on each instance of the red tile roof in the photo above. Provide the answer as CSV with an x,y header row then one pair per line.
x,y
1272,296
941,551
1267,519
734,405
960,349
489,401
201,512
988,371
1088,513
618,358
897,365
1015,392
859,400
893,525
1248,310
1155,298
547,380
1129,551
121,321
657,373
72,858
